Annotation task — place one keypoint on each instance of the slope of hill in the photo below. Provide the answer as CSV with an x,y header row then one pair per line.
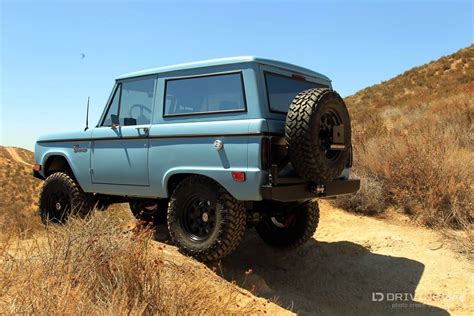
x,y
98,266
18,190
447,76
139,277
414,145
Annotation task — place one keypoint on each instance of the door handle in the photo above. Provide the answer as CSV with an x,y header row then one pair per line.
x,y
144,129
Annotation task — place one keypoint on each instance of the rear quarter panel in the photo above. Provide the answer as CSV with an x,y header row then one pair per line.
x,y
184,148
185,144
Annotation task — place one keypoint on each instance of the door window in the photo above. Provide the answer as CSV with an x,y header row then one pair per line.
x,y
113,109
132,103
137,102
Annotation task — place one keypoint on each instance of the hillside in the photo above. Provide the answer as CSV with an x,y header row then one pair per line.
x,y
414,146
448,76
33,258
18,190
15,177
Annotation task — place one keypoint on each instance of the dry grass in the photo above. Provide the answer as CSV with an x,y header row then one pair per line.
x,y
414,145
96,266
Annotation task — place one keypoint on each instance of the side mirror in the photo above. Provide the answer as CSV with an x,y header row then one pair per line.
x,y
115,121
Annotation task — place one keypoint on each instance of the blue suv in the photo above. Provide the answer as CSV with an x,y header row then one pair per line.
x,y
207,148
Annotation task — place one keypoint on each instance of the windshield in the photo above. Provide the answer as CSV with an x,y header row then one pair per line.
x,y
281,90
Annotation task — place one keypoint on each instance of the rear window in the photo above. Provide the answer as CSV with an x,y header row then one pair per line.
x,y
281,90
202,95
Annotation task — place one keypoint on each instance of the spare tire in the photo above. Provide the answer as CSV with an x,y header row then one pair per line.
x,y
318,134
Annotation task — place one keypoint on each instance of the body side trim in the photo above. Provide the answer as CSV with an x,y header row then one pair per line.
x,y
158,137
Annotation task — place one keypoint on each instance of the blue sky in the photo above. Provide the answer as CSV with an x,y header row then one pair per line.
x,y
45,81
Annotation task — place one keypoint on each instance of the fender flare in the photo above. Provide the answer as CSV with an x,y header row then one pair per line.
x,y
207,172
50,155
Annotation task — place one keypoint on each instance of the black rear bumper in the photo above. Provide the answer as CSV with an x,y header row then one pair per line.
x,y
307,191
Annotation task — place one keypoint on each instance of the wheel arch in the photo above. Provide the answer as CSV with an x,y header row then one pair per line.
x,y
55,162
174,177
248,190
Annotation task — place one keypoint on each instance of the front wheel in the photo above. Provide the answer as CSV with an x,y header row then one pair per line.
x,y
292,228
62,197
204,220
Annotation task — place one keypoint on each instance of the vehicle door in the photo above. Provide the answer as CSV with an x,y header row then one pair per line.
x,y
120,143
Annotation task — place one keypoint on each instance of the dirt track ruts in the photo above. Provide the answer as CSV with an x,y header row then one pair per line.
x,y
354,256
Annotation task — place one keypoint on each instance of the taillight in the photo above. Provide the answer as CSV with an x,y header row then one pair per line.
x,y
266,153
238,176
37,167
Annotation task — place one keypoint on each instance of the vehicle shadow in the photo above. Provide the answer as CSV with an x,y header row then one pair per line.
x,y
332,278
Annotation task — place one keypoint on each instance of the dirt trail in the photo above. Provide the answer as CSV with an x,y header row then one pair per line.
x,y
353,257
14,154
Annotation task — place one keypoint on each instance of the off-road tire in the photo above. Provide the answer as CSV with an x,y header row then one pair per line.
x,y
306,219
303,134
157,217
60,183
230,219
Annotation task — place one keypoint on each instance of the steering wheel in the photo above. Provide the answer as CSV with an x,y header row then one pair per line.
x,y
143,109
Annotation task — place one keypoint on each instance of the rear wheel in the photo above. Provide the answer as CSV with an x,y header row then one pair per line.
x,y
61,197
204,220
291,228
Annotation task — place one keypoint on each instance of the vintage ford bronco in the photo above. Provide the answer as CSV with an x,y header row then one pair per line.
x,y
207,148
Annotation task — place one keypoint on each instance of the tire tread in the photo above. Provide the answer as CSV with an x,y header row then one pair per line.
x,y
230,232
307,161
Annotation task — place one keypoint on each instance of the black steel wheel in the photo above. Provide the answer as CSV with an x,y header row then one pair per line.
x,y
58,204
199,218
291,228
62,197
327,122
204,220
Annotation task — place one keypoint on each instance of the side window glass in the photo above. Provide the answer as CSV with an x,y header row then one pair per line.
x,y
209,94
137,102
113,109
